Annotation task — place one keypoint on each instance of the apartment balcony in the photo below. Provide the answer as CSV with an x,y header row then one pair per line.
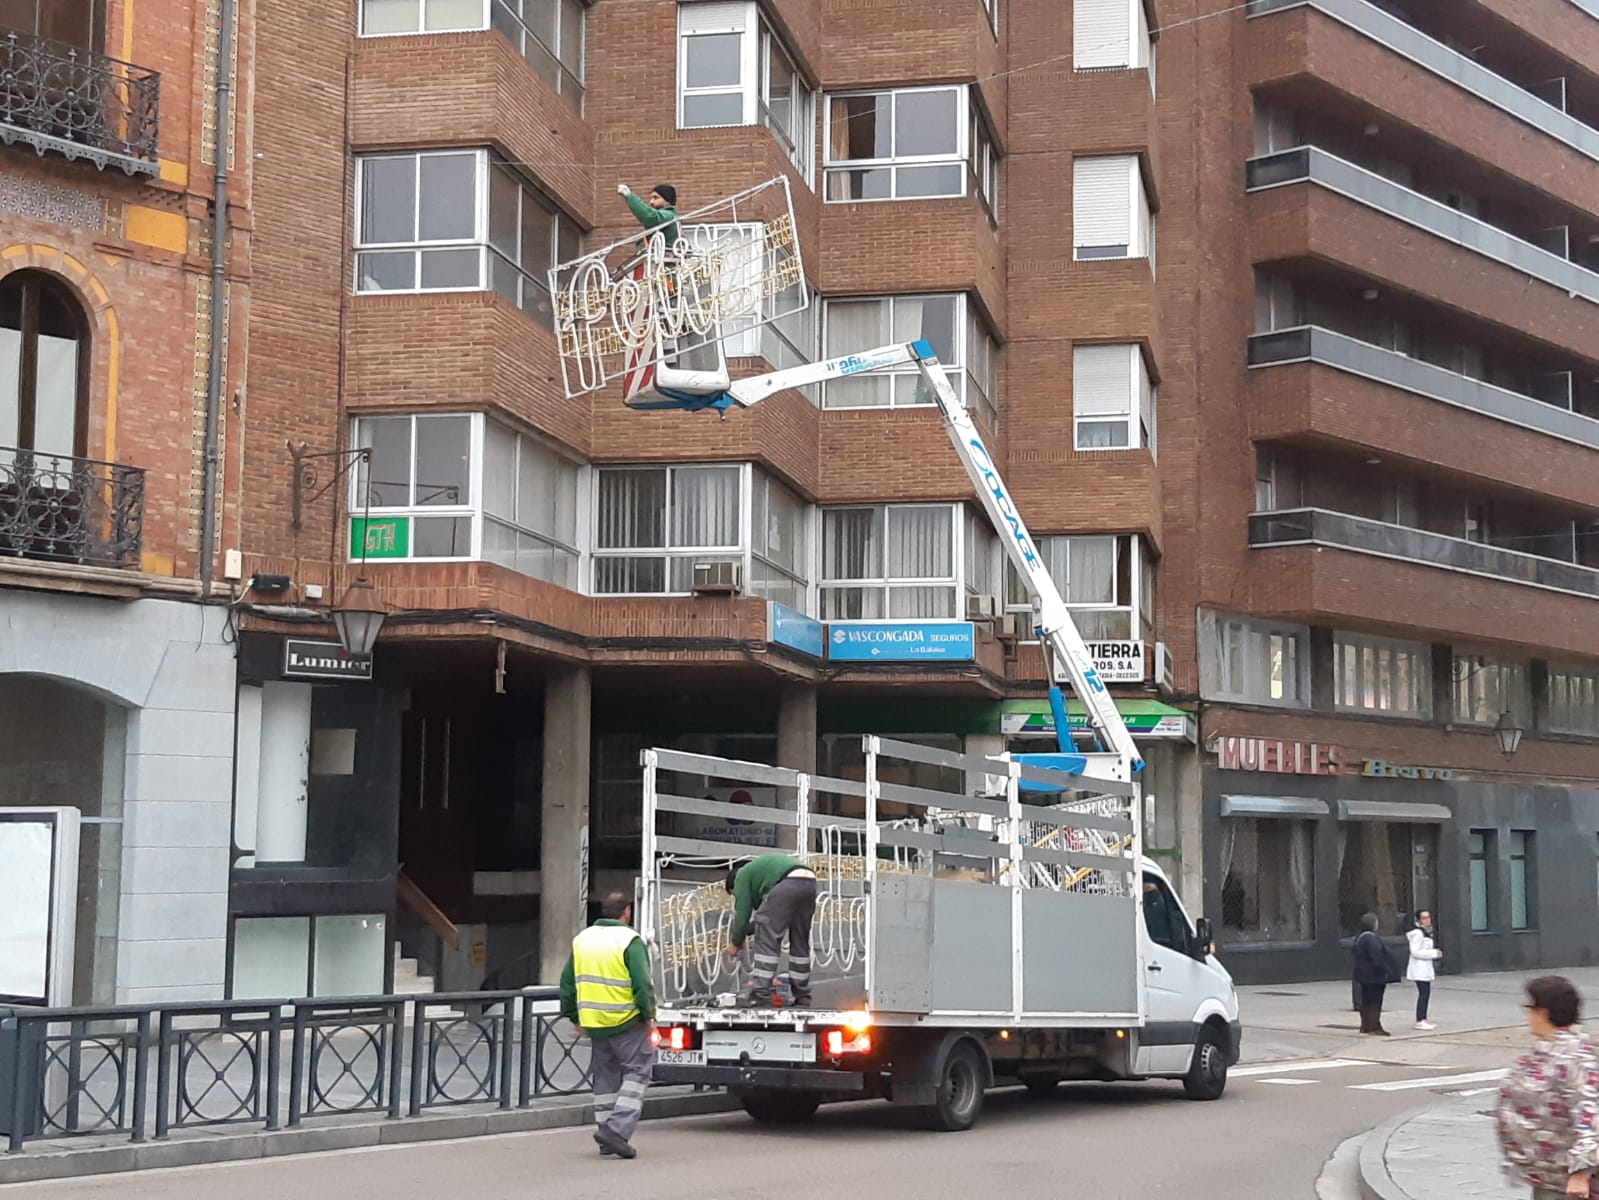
x,y
1321,567
55,508
1310,205
1317,386
1350,56
66,100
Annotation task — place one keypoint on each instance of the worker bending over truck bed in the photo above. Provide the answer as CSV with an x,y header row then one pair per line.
x,y
777,894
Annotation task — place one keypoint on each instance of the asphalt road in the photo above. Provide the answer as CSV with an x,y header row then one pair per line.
x,y
1265,1138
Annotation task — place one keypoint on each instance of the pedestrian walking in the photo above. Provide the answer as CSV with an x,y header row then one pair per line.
x,y
1375,967
1548,1115
1420,970
775,895
607,991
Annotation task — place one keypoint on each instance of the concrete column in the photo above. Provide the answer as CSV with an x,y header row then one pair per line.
x,y
564,853
796,745
1187,790
285,772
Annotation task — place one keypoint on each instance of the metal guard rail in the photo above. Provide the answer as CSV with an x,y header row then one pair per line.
x,y
87,1071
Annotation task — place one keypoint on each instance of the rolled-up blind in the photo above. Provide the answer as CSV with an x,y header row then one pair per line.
x,y
1102,215
1102,34
1102,380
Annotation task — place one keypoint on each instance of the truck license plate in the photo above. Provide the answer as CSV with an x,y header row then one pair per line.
x,y
680,1058
765,1045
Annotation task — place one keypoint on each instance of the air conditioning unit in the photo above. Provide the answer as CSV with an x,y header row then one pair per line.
x,y
1163,665
1018,625
984,607
724,577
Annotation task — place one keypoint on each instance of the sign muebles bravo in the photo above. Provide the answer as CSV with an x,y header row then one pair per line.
x,y
1275,756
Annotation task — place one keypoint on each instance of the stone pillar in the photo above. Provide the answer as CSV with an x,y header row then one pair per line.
x,y
564,852
796,744
1188,791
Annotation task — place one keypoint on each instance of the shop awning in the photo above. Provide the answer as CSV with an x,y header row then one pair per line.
x,y
1385,810
1146,719
1273,806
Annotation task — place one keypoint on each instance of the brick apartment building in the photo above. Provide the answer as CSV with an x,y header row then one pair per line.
x,y
1276,318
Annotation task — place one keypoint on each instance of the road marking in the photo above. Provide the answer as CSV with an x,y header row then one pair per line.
x,y
1291,1082
1290,1068
1474,1091
1437,1081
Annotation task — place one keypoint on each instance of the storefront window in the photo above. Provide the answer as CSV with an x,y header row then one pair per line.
x,y
1480,846
1522,915
1268,880
1387,868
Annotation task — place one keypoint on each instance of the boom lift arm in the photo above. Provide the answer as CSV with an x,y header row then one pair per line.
x,y
1064,644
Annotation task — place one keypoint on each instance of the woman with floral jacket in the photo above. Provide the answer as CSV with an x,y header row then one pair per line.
x,y
1549,1106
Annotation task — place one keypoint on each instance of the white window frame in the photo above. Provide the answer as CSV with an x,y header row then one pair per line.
x,y
961,156
1269,638
1581,682
708,18
885,583
550,540
1140,217
473,507
483,166
1133,46
1469,671
565,83
982,163
1140,582
1371,666
904,382
804,577
991,7
1139,412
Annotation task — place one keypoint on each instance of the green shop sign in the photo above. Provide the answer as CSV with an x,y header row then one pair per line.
x,y
384,537
1149,719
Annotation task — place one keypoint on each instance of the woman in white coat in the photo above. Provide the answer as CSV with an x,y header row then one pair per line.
x,y
1422,957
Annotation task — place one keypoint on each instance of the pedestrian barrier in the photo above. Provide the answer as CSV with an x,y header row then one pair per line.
x,y
139,1070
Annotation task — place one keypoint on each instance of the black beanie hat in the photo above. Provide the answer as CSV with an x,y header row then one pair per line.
x,y
666,192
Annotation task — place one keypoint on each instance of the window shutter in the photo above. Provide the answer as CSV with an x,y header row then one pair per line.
x,y
1102,381
1102,33
720,17
1143,49
1101,214
1143,245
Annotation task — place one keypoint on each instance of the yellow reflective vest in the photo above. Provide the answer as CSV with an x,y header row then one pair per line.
x,y
605,997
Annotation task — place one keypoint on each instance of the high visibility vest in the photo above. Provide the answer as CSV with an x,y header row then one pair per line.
x,y
604,987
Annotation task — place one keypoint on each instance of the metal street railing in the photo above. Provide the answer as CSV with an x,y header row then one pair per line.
x,y
134,1070
85,105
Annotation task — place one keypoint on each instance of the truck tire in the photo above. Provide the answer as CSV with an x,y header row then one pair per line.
x,y
1207,1073
962,1079
779,1108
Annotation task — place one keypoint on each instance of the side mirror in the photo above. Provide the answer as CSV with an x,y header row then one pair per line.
x,y
1205,937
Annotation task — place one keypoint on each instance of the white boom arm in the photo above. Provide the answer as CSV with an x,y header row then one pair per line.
x,y
1054,620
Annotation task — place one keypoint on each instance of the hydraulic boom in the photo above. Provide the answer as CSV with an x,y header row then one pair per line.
x,y
1065,646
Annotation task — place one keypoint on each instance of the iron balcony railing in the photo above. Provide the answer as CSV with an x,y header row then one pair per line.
x,y
1427,52
56,97
1312,344
1310,164
70,510
1319,527
138,1070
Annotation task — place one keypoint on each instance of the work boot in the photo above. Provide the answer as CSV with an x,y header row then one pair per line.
x,y
610,1140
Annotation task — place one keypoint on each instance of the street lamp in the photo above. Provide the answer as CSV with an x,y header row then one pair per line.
x,y
1508,733
358,618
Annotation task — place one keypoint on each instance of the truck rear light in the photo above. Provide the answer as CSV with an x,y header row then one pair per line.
x,y
673,1037
839,1043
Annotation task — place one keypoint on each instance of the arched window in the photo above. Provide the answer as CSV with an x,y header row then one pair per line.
x,y
44,356
76,22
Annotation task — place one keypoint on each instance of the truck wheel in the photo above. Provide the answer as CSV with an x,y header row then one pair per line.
x,y
961,1081
780,1108
1041,1085
1207,1074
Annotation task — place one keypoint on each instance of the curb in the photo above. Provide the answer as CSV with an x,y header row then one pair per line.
x,y
1375,1181
201,1147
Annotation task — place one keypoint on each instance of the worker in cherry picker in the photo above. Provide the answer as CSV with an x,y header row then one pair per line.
x,y
775,895
657,212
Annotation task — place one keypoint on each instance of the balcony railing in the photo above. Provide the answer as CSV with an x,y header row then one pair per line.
x,y
1310,343
1318,527
1309,164
1429,53
70,510
61,98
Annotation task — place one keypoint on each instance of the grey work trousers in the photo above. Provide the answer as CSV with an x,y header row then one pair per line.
x,y
620,1067
786,911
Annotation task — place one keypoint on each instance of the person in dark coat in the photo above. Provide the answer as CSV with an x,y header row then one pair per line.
x,y
1373,969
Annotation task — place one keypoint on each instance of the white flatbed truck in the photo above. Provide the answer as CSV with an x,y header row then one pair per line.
x,y
1005,928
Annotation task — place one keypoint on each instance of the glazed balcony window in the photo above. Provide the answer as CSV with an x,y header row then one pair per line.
x,y
548,33
1486,687
1113,400
909,144
1382,675
1107,581
1574,700
1254,662
456,220
1110,209
1111,35
733,69
891,561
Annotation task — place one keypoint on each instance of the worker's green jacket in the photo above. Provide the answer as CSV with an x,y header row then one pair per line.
x,y
637,957
650,218
754,880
